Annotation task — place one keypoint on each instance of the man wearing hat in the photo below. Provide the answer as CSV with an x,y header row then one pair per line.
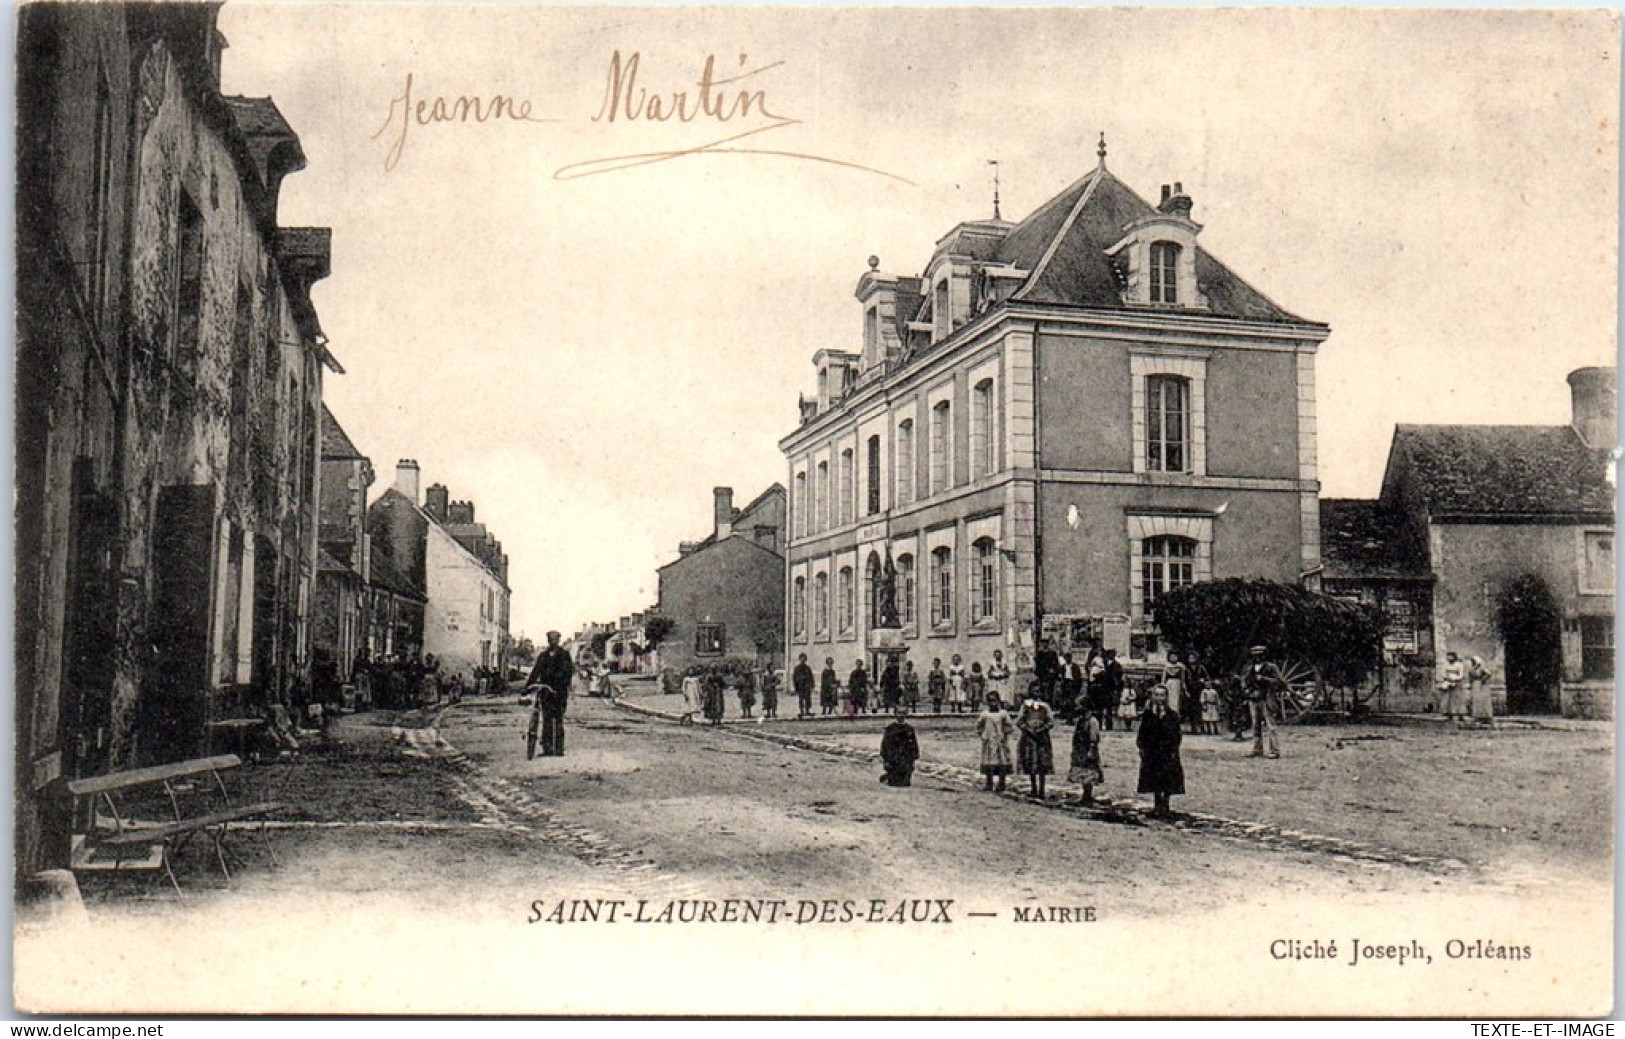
x,y
553,669
1259,683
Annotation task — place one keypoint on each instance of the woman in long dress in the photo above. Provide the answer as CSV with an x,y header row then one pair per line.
x,y
998,677
1161,772
1173,678
1036,751
956,684
994,727
1085,768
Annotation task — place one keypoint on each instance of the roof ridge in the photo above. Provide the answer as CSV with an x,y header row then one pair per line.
x,y
1094,177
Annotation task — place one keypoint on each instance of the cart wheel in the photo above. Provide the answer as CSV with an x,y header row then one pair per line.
x,y
1305,690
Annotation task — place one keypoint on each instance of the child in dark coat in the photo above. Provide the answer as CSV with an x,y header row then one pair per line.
x,y
899,750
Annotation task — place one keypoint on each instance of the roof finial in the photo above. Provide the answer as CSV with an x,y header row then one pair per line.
x,y
995,164
1100,149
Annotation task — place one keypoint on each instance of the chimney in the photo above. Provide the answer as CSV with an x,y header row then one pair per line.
x,y
461,512
1595,404
1175,202
406,478
434,501
722,499
685,548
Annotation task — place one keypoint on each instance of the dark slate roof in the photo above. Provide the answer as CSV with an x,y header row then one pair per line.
x,y
1359,539
336,444
1085,220
1505,470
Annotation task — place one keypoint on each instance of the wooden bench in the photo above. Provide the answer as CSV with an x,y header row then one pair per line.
x,y
140,819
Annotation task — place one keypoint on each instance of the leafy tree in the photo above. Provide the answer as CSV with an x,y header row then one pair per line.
x,y
655,630
599,641
1219,620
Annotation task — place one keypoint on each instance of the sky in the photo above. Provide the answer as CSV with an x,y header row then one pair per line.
x,y
585,345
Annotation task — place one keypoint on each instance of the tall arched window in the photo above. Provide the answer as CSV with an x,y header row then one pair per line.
x,y
874,476
845,606
872,576
798,505
982,429
798,608
905,461
847,475
821,498
941,321
1166,562
1167,423
821,604
906,590
941,445
942,587
1164,272
984,577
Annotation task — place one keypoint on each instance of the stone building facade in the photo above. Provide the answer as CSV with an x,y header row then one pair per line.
x,y
1495,542
438,547
340,626
170,368
1056,421
724,595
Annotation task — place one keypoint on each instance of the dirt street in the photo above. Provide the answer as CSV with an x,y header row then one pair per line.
x,y
435,868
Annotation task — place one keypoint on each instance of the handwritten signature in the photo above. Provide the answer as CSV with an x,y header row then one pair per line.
x,y
736,102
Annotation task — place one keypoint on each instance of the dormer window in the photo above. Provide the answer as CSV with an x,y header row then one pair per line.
x,y
941,317
1164,272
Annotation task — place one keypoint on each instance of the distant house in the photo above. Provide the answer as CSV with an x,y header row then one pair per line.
x,y
458,565
1495,542
340,625
725,595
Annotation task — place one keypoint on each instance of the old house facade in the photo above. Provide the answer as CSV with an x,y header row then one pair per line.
x,y
1055,422
459,566
724,595
1495,542
341,624
170,371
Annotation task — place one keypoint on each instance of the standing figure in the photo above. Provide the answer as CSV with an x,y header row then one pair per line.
x,y
1173,679
1210,708
911,686
1128,707
553,670
956,684
1047,666
1482,703
1450,683
1085,767
994,728
716,690
1161,773
857,690
1072,702
829,687
1111,680
1036,751
891,684
998,677
936,685
1260,684
899,750
693,699
746,691
976,686
802,679
769,682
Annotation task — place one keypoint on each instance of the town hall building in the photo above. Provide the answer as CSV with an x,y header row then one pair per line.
x,y
1055,422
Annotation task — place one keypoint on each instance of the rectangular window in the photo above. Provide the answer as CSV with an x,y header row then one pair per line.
x,y
984,575
1167,412
1166,563
798,504
709,640
844,513
821,604
798,608
845,602
1164,272
821,498
1597,648
942,588
905,591
1599,563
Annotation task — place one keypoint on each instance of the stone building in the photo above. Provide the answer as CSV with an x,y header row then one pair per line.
x,y
169,367
724,595
1056,421
1495,542
440,548
341,625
